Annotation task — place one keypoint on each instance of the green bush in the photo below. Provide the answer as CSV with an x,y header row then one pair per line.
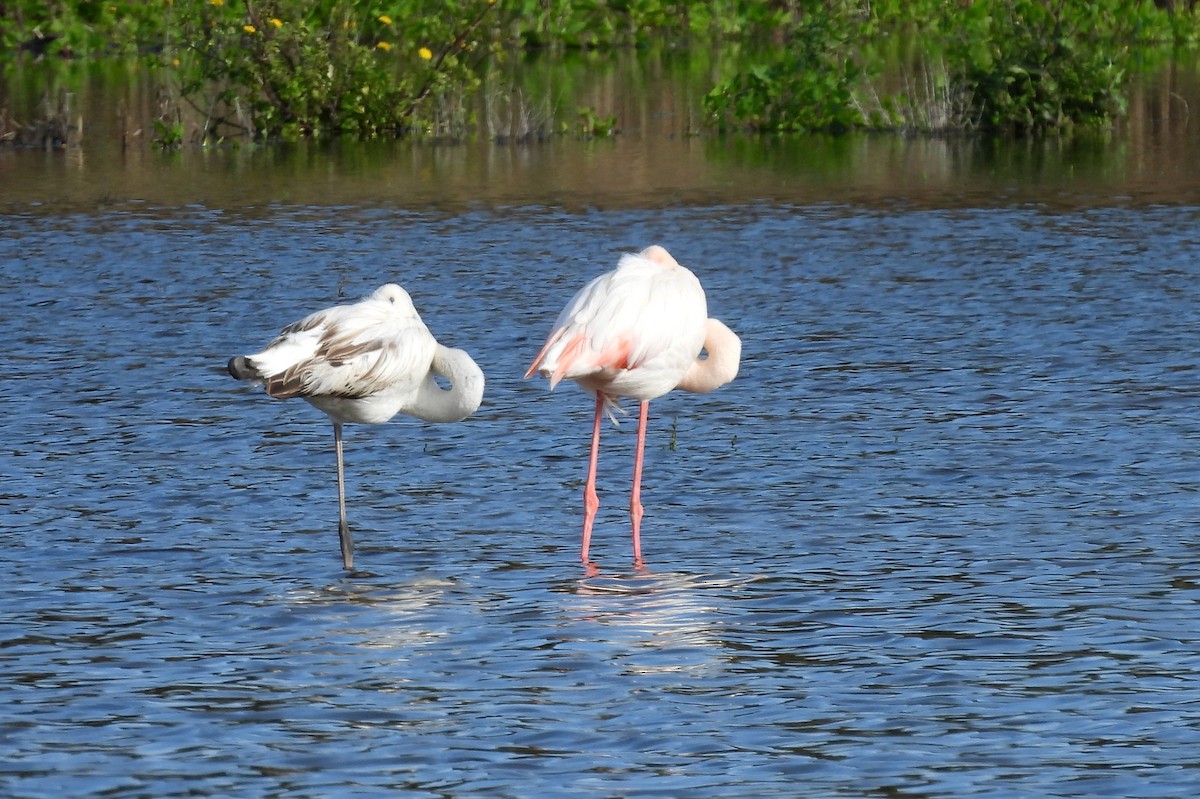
x,y
1036,66
316,68
807,85
1012,66
267,69
81,29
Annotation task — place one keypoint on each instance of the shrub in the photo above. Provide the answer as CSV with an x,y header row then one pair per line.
x,y
1033,66
1013,66
268,69
804,86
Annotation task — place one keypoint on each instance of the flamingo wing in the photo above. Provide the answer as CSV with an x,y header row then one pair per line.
x,y
623,319
351,352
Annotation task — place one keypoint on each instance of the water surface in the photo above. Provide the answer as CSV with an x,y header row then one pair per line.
x,y
940,538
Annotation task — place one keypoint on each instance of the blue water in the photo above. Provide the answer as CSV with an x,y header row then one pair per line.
x,y
941,537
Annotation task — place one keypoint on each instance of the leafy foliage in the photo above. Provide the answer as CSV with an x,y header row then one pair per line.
x,y
593,126
1015,66
267,70
270,69
1035,66
609,23
83,28
805,86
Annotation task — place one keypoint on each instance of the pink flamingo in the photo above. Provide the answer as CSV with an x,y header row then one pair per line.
x,y
637,331
365,362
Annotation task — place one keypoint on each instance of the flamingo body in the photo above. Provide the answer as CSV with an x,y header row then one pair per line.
x,y
637,331
633,332
365,362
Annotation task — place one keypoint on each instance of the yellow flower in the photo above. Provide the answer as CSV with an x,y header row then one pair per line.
x,y
385,19
278,23
217,2
248,28
384,46
425,53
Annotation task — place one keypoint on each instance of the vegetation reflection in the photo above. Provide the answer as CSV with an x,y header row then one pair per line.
x,y
264,70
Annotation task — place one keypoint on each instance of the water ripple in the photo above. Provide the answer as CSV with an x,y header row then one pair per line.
x,y
939,538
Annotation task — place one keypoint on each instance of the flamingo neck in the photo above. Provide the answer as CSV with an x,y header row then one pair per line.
x,y
724,351
433,403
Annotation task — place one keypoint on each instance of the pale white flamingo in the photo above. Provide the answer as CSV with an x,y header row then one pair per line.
x,y
365,362
637,331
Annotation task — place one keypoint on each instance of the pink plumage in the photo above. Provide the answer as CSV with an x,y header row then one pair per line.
x,y
637,331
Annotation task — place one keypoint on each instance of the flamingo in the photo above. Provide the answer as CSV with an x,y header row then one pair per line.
x,y
365,362
637,331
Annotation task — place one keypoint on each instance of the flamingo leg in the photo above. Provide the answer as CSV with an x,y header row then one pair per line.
x,y
346,541
591,502
635,496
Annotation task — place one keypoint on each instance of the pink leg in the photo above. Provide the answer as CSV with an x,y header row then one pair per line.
x,y
590,501
635,496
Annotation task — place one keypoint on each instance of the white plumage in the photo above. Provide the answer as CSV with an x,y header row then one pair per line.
x,y
637,331
365,362
633,332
